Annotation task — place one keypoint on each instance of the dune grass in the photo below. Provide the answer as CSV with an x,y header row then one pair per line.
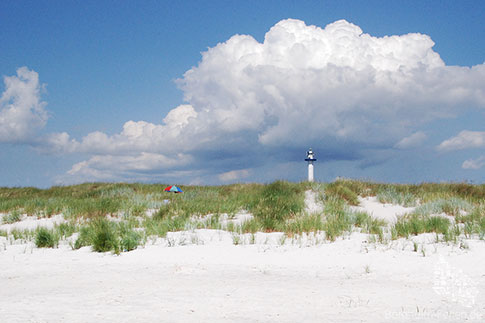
x,y
449,210
12,217
84,200
45,238
104,235
390,194
276,203
414,225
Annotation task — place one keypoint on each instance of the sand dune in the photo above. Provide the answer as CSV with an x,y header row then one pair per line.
x,y
201,276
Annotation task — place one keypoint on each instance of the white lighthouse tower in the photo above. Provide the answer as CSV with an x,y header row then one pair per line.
x,y
310,158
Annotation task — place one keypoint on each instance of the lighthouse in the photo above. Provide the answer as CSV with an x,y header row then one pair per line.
x,y
310,158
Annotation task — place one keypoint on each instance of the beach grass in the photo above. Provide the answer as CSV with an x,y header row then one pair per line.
x,y
12,217
450,210
45,238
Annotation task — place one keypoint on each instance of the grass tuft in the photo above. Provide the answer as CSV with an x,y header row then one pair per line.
x,y
12,217
45,238
390,194
342,191
278,202
103,236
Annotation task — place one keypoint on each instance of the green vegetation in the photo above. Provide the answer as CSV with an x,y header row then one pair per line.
x,y
448,210
104,235
276,203
344,190
65,230
45,238
26,235
12,217
389,194
414,225
83,201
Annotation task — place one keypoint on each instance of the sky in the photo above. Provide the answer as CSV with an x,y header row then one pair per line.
x,y
217,92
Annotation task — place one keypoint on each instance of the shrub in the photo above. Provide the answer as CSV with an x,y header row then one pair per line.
x,y
101,234
45,238
84,238
104,237
130,240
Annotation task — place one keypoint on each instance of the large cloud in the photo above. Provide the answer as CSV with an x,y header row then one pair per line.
x,y
310,84
337,89
22,112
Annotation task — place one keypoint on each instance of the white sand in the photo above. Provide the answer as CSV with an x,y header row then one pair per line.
x,y
387,212
204,277
32,222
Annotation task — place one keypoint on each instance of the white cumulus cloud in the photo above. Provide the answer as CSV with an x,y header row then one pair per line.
x,y
22,111
464,140
412,141
474,163
336,89
109,167
305,83
234,175
135,138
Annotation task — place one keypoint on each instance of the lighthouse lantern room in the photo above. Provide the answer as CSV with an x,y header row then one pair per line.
x,y
310,158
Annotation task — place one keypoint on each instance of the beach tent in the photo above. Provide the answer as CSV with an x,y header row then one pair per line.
x,y
174,189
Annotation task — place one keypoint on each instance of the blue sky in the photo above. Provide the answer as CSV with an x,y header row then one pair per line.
x,y
119,91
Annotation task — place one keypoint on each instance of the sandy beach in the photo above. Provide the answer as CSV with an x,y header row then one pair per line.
x,y
205,276
346,281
